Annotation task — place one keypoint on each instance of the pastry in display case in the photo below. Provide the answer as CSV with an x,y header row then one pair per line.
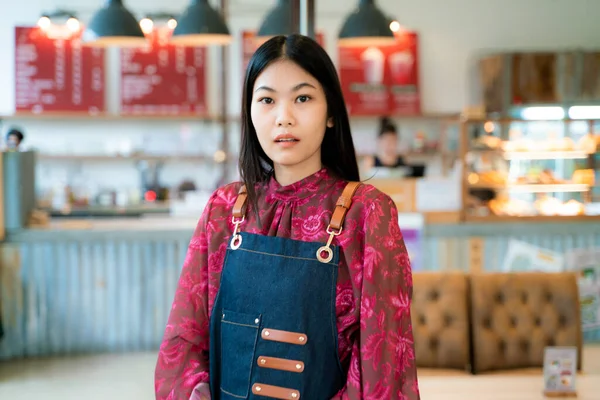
x,y
513,169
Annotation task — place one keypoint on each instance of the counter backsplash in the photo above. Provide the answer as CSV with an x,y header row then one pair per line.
x,y
81,154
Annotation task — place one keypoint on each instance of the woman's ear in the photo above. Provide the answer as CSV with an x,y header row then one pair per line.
x,y
330,122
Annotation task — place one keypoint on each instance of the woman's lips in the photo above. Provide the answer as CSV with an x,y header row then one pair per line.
x,y
286,140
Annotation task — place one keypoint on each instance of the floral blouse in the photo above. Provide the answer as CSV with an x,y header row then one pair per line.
x,y
374,286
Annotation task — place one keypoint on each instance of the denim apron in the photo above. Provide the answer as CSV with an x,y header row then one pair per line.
x,y
273,332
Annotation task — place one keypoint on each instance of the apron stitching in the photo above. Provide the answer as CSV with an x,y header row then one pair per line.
x,y
235,323
252,360
212,309
231,394
279,255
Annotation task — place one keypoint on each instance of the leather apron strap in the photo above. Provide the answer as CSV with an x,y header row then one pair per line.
x,y
240,203
343,205
337,219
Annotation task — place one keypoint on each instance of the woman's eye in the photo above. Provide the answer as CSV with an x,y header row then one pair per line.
x,y
303,99
266,100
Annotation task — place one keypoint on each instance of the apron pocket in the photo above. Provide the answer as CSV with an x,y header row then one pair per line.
x,y
239,333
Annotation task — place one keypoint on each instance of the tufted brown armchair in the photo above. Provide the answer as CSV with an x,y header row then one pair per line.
x,y
515,315
440,316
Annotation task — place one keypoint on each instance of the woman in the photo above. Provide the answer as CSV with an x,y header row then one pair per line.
x,y
387,153
387,146
297,284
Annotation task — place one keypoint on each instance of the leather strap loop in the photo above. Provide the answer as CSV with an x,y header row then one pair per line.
x,y
240,203
343,205
337,219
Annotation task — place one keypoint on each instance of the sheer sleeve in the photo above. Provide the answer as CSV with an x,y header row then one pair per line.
x,y
382,365
182,369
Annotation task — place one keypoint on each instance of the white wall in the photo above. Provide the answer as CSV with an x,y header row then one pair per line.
x,y
452,34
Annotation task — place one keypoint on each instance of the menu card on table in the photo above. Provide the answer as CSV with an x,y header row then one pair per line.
x,y
162,78
382,80
54,72
560,371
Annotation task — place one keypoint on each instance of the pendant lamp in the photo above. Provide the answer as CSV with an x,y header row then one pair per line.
x,y
201,25
113,25
366,26
277,22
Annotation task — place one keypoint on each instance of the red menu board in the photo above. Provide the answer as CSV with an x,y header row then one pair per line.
x,y
249,46
382,80
56,73
162,78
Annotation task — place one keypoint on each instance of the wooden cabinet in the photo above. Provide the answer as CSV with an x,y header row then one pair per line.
x,y
538,78
590,77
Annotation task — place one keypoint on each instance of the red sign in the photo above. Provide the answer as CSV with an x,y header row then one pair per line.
x,y
382,80
250,44
56,73
162,78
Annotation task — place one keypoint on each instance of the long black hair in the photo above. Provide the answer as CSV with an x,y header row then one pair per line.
x,y
337,149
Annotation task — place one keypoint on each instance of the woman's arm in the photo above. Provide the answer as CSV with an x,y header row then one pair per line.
x,y
382,365
182,369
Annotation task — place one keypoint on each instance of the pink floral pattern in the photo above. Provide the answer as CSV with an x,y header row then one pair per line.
x,y
373,298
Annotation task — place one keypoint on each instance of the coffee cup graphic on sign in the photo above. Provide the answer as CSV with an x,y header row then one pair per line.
x,y
373,63
401,66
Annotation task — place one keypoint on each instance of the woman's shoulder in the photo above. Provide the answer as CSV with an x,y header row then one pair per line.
x,y
224,197
368,197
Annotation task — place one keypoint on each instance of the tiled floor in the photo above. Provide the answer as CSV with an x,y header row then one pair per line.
x,y
130,377
122,377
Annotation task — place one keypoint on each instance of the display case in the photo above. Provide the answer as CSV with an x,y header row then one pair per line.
x,y
529,169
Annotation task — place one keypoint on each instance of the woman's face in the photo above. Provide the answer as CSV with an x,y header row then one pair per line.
x,y
13,141
289,114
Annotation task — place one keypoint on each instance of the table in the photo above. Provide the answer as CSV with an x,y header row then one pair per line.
x,y
499,387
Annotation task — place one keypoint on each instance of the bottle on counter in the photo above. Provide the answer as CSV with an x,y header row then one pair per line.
x,y
419,142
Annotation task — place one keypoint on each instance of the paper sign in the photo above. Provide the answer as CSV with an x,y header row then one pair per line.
x,y
382,80
524,257
162,78
586,263
560,370
56,73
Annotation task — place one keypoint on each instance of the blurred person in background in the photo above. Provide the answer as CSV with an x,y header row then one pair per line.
x,y
388,159
14,138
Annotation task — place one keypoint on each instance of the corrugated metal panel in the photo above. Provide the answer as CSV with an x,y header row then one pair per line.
x,y
114,294
445,254
78,297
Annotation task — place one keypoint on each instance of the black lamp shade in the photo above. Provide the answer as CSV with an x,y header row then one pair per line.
x,y
277,22
113,25
366,26
201,25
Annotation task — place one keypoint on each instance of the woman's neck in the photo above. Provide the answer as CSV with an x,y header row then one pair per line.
x,y
288,175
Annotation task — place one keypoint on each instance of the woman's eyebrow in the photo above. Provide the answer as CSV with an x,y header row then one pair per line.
x,y
294,89
268,89
302,85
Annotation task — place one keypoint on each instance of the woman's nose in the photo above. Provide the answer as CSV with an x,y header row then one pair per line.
x,y
285,116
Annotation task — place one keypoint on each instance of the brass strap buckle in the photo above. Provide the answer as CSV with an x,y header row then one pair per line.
x,y
327,248
236,240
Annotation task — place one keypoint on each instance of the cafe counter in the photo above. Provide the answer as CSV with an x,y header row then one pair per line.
x,y
107,285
